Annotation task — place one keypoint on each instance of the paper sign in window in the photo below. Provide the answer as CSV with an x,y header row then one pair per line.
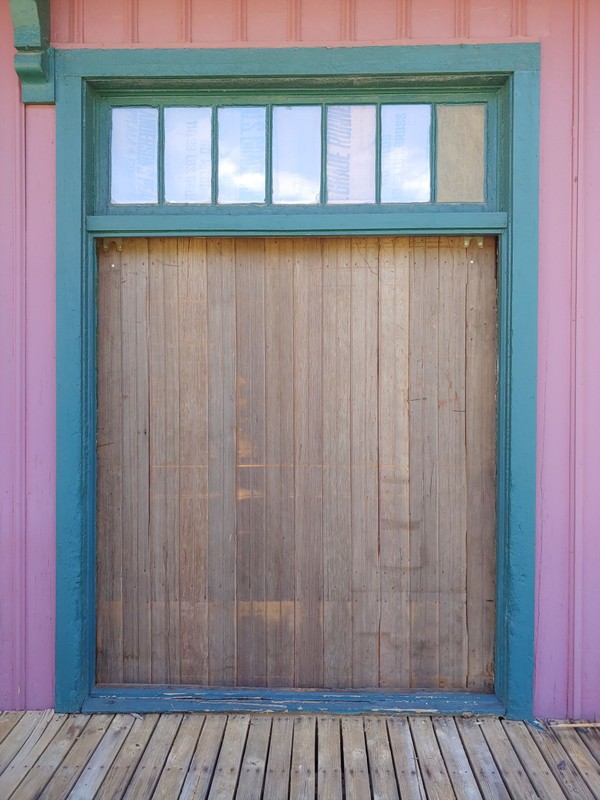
x,y
188,155
351,132
134,155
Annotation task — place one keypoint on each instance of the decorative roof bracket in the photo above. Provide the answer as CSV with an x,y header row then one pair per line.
x,y
34,59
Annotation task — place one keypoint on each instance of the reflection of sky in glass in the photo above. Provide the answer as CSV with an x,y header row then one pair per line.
x,y
187,155
296,154
134,155
351,154
405,169
242,154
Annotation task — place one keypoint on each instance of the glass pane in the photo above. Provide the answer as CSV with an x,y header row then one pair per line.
x,y
134,155
405,169
188,157
242,155
460,169
351,154
296,154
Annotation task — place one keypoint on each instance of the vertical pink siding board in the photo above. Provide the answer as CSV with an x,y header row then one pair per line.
x,y
40,406
12,379
491,19
431,20
161,22
213,22
321,22
108,21
376,27
266,22
587,639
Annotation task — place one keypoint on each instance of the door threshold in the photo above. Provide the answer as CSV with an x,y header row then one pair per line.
x,y
154,699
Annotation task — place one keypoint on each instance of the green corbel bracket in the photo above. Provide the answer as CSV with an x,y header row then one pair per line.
x,y
34,59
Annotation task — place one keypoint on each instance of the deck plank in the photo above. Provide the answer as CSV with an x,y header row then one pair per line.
x,y
8,720
277,778
381,763
354,753
410,782
129,756
77,757
202,766
591,738
329,759
581,757
479,753
95,771
32,749
302,772
435,776
26,727
561,765
46,765
227,770
508,762
455,758
252,773
536,768
147,773
178,761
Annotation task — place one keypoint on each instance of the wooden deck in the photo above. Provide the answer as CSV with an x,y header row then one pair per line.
x,y
48,755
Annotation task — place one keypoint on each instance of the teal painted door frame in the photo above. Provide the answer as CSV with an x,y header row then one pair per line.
x,y
82,76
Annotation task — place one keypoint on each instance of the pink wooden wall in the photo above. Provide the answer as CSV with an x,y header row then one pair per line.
x,y
568,529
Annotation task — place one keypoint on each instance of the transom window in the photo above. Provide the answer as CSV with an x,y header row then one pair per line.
x,y
319,154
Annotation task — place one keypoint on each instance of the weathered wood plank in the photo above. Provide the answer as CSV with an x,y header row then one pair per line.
x,y
481,350
423,389
581,756
279,449
354,754
456,760
431,763
538,772
410,782
227,770
8,720
29,725
147,773
128,757
49,761
29,752
137,574
89,781
394,472
252,772
506,758
557,758
77,757
193,455
308,457
590,736
201,769
113,315
302,772
277,777
364,460
337,470
251,428
221,463
488,776
329,759
451,447
381,763
180,755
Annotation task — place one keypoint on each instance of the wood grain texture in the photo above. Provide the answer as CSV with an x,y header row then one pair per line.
x,y
296,462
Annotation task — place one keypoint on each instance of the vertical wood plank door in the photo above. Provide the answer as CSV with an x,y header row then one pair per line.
x,y
296,462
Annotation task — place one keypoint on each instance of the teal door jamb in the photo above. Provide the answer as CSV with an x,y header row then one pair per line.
x,y
79,76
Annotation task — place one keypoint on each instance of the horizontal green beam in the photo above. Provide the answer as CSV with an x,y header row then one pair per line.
x,y
292,224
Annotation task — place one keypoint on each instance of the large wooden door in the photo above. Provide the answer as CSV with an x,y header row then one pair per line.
x,y
296,462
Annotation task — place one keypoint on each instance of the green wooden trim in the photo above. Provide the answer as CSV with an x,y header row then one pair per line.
x,y
514,69
294,223
34,59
